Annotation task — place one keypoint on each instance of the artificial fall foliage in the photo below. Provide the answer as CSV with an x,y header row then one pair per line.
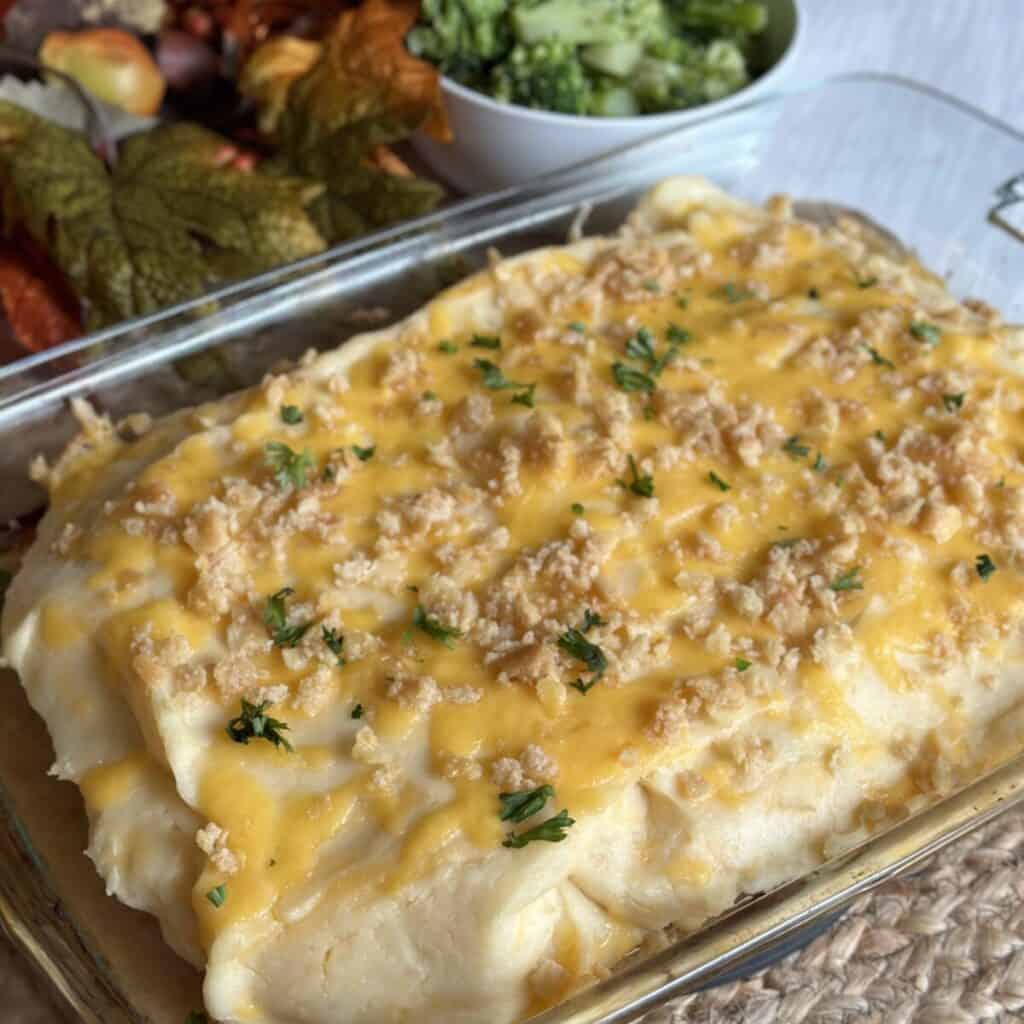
x,y
173,217
330,106
181,210
40,309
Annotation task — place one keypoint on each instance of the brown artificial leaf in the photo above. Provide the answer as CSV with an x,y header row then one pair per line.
x,y
268,75
238,26
39,306
176,216
366,72
363,73
363,92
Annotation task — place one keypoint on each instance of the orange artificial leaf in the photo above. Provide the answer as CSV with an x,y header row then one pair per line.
x,y
364,74
334,120
40,308
268,75
386,159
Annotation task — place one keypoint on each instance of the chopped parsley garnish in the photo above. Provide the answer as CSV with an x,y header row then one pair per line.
x,y
733,292
878,359
954,402
651,285
448,347
485,341
641,346
281,632
363,454
714,478
575,643
849,580
551,831
742,664
290,468
813,293
866,282
357,711
879,435
629,379
429,396
335,642
677,335
642,486
926,332
218,896
524,804
434,628
578,326
820,465
254,724
577,509
495,380
682,301
794,449
291,414
525,397
984,566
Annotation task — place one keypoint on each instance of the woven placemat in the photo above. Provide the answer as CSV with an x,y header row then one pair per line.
x,y
943,946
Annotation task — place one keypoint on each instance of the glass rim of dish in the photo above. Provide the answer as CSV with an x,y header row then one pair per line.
x,y
555,187
756,922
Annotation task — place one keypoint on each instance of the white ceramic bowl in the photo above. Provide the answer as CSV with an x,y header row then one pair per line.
x,y
498,144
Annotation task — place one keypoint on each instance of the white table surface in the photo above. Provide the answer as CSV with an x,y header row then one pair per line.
x,y
971,48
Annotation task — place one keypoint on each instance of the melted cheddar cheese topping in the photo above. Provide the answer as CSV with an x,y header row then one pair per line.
x,y
769,474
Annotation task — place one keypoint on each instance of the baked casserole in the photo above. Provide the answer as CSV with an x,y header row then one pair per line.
x,y
432,677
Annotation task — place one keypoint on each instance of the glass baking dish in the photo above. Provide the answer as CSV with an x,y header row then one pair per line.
x,y
945,179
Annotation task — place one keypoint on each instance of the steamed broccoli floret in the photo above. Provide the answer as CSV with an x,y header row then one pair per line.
x,y
707,74
611,98
718,19
461,36
585,22
616,59
547,76
609,58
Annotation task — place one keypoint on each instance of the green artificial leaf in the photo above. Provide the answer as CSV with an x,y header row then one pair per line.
x,y
172,219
